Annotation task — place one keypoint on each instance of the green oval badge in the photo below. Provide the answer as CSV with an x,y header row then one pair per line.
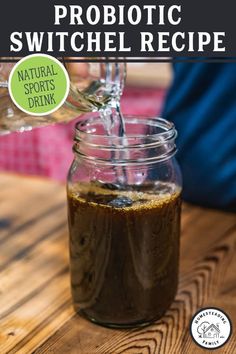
x,y
39,84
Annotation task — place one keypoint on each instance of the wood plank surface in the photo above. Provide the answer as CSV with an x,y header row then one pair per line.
x,y
36,315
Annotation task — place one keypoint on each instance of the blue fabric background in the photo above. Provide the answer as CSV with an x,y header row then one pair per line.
x,y
202,104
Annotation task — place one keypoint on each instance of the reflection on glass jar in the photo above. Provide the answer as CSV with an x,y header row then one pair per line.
x,y
124,221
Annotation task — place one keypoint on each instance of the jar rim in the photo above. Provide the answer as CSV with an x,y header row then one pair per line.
x,y
167,126
154,138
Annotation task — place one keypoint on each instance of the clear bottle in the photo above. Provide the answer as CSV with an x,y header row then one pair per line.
x,y
124,201
94,86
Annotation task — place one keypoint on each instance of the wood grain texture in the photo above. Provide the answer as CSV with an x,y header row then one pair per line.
x,y
36,314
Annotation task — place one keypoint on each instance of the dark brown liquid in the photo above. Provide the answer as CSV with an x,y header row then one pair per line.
x,y
124,259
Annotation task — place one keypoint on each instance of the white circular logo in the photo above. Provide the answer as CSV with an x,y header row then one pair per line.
x,y
210,328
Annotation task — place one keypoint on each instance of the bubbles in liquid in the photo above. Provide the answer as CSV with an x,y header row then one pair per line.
x,y
121,202
163,188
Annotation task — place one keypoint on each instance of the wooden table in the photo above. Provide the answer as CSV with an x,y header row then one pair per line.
x,y
35,304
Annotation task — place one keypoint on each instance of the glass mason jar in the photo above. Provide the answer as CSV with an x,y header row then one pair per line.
x,y
93,86
124,221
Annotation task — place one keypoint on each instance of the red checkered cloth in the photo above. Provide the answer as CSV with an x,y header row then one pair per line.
x,y
47,151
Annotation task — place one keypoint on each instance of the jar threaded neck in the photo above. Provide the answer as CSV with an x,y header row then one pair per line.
x,y
147,140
